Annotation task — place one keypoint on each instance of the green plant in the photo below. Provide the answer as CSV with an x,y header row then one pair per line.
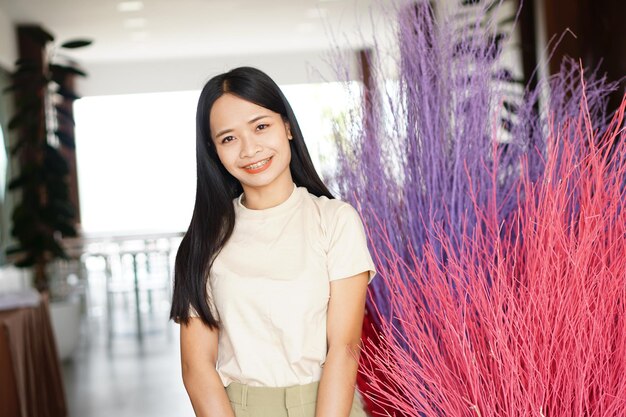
x,y
43,122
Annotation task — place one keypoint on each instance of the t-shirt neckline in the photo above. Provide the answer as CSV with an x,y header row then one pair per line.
x,y
283,207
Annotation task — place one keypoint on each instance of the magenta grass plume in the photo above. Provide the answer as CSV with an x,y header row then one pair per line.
x,y
528,318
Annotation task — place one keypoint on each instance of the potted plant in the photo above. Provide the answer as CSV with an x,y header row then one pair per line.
x,y
44,213
43,124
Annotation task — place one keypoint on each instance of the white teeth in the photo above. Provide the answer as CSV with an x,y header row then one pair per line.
x,y
258,164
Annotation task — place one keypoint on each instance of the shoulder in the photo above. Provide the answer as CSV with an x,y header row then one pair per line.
x,y
333,212
329,205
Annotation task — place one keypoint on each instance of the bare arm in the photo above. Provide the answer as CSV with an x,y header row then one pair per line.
x,y
198,353
345,320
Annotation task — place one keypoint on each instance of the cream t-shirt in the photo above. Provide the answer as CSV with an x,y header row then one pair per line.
x,y
270,285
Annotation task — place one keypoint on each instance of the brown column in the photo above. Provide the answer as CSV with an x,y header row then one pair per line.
x,y
32,41
365,61
66,126
598,38
31,46
529,42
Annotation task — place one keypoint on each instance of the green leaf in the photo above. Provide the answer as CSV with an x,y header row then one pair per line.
x,y
64,209
66,69
44,35
23,228
65,139
13,249
10,88
25,85
24,213
62,109
57,188
27,68
68,94
26,262
64,117
18,181
52,245
76,43
24,232
67,230
16,148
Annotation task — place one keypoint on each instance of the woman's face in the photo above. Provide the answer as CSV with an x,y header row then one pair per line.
x,y
252,142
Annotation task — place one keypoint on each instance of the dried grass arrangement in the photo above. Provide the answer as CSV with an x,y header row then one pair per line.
x,y
498,227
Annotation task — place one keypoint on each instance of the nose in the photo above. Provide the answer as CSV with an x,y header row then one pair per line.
x,y
249,147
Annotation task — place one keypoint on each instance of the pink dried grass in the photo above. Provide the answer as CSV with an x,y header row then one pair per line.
x,y
525,317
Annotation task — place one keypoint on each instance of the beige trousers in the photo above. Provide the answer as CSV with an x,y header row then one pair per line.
x,y
296,401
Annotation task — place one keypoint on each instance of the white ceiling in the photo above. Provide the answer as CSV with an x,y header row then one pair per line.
x,y
165,29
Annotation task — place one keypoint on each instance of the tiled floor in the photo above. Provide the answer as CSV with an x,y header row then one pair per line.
x,y
122,377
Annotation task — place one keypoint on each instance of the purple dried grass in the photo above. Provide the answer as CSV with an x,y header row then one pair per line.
x,y
413,160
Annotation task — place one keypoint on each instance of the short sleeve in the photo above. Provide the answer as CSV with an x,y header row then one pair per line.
x,y
347,253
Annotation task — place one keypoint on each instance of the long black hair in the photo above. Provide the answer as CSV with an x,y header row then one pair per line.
x,y
213,216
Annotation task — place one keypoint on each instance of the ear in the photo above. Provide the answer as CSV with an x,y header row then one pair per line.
x,y
288,129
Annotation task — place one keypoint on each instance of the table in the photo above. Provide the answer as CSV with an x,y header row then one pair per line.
x,y
30,372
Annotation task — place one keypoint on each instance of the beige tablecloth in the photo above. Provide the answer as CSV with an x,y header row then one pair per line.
x,y
30,372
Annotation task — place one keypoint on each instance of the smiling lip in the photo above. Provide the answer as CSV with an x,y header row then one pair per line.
x,y
259,169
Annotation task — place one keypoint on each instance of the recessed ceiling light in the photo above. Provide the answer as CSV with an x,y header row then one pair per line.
x,y
129,6
135,23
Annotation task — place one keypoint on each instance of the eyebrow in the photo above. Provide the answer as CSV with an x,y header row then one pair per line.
x,y
256,119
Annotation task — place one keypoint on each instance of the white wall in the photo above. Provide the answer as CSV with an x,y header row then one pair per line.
x,y
190,74
8,42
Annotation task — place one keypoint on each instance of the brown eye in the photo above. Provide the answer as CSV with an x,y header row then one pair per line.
x,y
262,126
227,139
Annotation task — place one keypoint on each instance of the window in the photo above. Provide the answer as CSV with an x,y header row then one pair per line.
x,y
136,154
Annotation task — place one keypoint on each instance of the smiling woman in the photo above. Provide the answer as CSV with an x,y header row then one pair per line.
x,y
271,276
251,140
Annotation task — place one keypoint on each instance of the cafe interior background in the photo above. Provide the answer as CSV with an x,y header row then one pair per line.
x,y
132,172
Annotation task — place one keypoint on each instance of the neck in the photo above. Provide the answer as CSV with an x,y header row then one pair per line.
x,y
259,198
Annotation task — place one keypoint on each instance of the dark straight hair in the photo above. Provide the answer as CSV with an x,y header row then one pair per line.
x,y
213,216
